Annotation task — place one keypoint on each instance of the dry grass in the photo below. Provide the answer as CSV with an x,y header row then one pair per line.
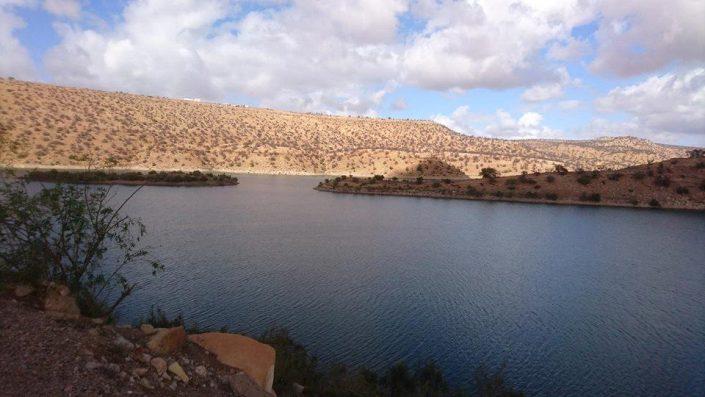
x,y
45,125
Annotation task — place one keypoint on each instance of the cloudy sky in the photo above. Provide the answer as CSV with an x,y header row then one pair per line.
x,y
508,69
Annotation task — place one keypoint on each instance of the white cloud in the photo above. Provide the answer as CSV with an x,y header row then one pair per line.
x,y
15,60
498,125
544,91
399,104
672,103
63,8
638,36
487,43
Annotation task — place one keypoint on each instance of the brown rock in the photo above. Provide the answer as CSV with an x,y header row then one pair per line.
x,y
58,303
243,386
166,340
159,364
254,358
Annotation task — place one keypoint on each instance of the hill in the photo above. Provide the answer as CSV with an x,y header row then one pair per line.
x,y
673,184
51,126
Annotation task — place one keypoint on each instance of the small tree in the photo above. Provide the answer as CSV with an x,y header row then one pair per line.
x,y
489,173
72,235
561,169
696,153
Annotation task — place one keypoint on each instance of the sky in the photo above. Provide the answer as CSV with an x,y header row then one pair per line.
x,y
564,69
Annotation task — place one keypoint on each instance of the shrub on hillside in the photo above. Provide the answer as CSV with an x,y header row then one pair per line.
x,y
561,170
489,173
654,203
682,190
662,180
593,197
584,179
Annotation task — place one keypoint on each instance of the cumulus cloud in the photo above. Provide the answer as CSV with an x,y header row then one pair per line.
x,y
487,43
334,56
671,103
15,60
63,8
638,36
551,90
501,124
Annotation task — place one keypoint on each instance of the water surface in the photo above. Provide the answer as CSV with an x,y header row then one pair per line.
x,y
575,300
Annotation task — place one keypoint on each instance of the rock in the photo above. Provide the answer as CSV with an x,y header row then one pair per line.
x,y
159,364
201,370
244,386
166,376
99,320
139,372
176,369
172,386
254,358
166,340
114,368
123,343
91,365
146,383
147,329
146,358
23,290
59,304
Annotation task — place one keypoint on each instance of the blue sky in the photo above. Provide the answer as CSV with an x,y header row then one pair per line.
x,y
508,69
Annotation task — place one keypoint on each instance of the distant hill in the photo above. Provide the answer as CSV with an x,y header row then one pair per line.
x,y
46,125
430,168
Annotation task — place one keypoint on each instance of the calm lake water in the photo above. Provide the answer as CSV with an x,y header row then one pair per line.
x,y
576,301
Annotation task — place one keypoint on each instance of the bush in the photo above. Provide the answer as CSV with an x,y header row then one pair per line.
x,y
472,191
594,197
615,176
75,237
702,185
419,180
489,173
561,170
682,190
584,179
662,180
524,178
638,176
551,196
700,165
654,203
436,185
550,179
378,178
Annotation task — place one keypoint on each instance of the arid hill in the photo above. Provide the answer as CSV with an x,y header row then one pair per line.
x,y
51,126
673,184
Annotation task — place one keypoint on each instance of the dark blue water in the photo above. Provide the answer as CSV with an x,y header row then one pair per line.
x,y
576,301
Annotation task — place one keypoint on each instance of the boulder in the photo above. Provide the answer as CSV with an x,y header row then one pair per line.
x,y
166,340
254,358
59,304
243,386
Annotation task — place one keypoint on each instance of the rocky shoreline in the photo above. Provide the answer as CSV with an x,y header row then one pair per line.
x,y
48,348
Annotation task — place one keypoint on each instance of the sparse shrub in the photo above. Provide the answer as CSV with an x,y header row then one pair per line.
x,y
682,190
498,194
638,176
593,197
531,195
702,185
489,173
561,170
615,176
696,153
584,179
662,180
634,202
552,196
436,184
654,203
550,179
378,178
419,180
700,165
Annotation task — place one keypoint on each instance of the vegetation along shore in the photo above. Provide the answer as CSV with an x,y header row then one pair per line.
x,y
678,183
150,178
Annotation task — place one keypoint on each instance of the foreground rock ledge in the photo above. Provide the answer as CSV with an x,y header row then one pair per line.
x,y
254,358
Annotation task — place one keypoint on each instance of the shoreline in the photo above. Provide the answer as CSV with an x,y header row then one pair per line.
x,y
440,196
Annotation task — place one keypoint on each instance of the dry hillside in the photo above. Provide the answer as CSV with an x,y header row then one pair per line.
x,y
45,125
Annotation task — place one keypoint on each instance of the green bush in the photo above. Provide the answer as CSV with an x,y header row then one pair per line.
x,y
489,173
654,203
594,197
74,236
682,190
584,179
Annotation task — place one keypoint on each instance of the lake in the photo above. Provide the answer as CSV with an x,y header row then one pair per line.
x,y
574,300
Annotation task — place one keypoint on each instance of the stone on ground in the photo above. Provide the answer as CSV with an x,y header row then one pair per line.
x,y
254,358
166,340
176,369
159,364
243,386
59,304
